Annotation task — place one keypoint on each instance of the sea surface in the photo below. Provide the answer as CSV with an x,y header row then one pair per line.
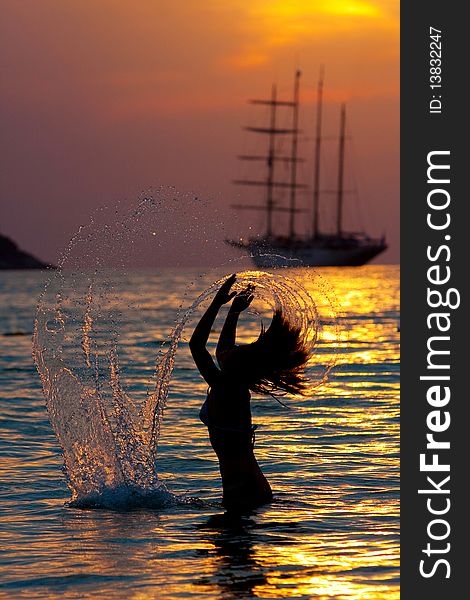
x,y
332,460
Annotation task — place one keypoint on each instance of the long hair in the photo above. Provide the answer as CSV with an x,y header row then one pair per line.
x,y
274,364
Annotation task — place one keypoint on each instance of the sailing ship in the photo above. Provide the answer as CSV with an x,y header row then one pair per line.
x,y
339,248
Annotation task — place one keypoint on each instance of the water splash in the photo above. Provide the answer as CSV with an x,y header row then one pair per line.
x,y
107,430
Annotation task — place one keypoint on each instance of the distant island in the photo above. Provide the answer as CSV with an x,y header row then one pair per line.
x,y
11,257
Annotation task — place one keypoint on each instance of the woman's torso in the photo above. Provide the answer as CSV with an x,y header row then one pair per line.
x,y
227,414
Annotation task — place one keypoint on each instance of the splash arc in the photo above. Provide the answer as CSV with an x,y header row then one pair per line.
x,y
109,439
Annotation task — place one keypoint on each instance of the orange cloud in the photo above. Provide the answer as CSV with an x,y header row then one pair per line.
x,y
265,26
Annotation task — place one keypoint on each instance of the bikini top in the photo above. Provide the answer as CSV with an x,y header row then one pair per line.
x,y
204,416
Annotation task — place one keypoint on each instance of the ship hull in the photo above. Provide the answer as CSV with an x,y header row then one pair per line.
x,y
329,252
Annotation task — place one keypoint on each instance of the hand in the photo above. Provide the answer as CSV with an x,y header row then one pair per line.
x,y
243,299
224,294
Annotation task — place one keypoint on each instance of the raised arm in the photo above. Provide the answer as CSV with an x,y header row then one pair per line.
x,y
229,331
198,341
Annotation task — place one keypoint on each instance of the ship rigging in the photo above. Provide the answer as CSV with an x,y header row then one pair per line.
x,y
318,248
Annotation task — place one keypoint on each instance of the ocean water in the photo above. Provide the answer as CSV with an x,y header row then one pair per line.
x,y
331,458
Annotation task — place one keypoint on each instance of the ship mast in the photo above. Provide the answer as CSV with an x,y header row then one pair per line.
x,y
340,191
293,177
316,178
271,150
269,183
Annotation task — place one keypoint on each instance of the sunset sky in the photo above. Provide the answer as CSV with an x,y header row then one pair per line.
x,y
101,99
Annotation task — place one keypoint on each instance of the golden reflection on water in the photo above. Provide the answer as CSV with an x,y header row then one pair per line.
x,y
360,441
332,461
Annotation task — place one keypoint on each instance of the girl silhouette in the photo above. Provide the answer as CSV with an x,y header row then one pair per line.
x,y
274,363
